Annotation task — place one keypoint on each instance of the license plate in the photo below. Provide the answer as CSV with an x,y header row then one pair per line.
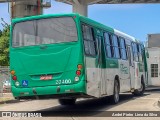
x,y
46,77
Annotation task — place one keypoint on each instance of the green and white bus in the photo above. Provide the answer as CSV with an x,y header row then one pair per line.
x,y
68,56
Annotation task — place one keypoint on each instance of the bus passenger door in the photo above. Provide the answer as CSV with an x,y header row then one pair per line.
x,y
131,67
92,61
94,67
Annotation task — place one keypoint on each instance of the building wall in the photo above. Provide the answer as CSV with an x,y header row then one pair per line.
x,y
153,40
154,58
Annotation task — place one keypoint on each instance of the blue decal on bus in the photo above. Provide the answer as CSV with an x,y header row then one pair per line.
x,y
24,83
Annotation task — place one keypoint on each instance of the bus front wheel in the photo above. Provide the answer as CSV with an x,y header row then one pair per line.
x,y
140,91
67,101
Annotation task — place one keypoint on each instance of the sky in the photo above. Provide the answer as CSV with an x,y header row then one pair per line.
x,y
137,20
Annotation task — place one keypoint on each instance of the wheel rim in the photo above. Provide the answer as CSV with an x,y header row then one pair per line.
x,y
116,94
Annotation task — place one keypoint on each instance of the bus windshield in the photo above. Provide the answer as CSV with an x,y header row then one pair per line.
x,y
44,31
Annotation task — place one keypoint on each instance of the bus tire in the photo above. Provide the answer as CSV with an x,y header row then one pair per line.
x,y
139,92
114,99
69,101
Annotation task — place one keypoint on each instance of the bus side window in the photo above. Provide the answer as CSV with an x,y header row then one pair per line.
x,y
142,51
123,49
139,52
135,51
115,46
107,44
119,46
111,42
89,40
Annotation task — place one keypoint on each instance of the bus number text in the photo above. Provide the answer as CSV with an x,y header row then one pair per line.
x,y
66,81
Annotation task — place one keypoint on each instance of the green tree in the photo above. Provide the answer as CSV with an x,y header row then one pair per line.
x,y
4,46
0,32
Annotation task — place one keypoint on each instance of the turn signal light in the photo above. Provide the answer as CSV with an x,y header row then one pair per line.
x,y
79,67
78,72
14,78
13,72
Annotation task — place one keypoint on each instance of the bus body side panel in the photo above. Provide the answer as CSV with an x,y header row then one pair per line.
x,y
111,70
124,76
136,68
126,69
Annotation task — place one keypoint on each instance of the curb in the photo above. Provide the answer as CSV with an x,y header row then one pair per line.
x,y
9,101
158,103
152,89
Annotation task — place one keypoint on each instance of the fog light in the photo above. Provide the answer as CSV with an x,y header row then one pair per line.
x,y
17,83
76,79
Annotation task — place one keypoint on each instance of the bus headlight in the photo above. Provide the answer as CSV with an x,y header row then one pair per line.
x,y
76,79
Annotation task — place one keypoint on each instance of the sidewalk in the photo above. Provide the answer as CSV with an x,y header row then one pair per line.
x,y
6,98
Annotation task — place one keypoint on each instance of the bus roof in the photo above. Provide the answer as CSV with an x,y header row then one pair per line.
x,y
126,36
15,20
97,24
117,32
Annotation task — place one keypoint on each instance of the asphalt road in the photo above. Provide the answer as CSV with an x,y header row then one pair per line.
x,y
90,109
